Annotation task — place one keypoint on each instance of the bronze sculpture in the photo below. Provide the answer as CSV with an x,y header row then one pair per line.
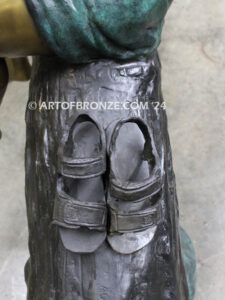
x,y
100,189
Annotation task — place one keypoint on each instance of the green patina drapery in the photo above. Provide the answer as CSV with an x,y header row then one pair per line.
x,y
79,31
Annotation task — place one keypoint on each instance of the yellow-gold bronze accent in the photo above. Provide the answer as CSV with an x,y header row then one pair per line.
x,y
18,39
18,34
19,69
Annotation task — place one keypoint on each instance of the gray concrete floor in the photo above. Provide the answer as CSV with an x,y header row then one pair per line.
x,y
193,60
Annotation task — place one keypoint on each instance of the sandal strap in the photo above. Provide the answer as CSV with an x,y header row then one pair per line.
x,y
82,168
134,221
72,213
134,191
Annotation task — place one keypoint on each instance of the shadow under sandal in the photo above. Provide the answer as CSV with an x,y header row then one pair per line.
x,y
80,204
134,196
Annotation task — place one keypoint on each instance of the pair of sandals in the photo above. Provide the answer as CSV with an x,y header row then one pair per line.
x,y
128,214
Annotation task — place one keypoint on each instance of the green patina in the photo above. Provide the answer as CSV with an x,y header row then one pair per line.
x,y
82,30
189,261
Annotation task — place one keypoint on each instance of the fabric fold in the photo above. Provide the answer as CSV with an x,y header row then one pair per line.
x,y
83,30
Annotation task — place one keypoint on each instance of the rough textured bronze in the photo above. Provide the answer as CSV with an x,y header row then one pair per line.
x,y
100,188
53,272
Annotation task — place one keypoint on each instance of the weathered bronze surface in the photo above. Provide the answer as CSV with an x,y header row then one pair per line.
x,y
79,31
56,269
100,189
